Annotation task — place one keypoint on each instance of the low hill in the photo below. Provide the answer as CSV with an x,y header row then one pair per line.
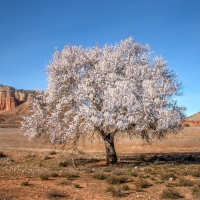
x,y
12,118
195,117
193,120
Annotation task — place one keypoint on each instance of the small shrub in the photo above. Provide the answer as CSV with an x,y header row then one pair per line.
x,y
148,170
99,176
2,155
170,193
170,184
133,173
142,158
114,192
195,173
70,174
167,176
46,158
184,172
52,153
44,177
185,182
65,183
77,186
54,175
141,183
107,169
55,194
24,183
196,191
125,187
119,172
116,179
110,189
88,170
63,164
186,125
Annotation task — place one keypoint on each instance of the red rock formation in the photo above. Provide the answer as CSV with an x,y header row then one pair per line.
x,y
11,98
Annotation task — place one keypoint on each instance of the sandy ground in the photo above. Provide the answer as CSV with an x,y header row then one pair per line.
x,y
25,162
187,140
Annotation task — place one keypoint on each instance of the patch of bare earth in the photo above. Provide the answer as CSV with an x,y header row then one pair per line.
x,y
35,170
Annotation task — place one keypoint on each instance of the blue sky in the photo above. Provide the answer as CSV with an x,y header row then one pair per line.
x,y
31,29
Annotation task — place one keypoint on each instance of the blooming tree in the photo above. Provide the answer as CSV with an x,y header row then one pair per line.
x,y
115,89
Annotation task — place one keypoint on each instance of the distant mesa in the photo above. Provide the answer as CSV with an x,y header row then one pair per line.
x,y
13,104
11,97
193,120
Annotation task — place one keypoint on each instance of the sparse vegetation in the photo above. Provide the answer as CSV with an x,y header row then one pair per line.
x,y
46,157
54,175
114,192
119,172
130,178
141,184
166,176
184,182
63,164
196,191
2,154
52,153
170,193
125,187
55,194
24,183
65,182
186,125
133,173
195,173
77,186
113,179
70,174
99,176
44,177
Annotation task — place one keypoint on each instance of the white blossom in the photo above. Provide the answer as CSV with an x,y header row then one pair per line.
x,y
117,88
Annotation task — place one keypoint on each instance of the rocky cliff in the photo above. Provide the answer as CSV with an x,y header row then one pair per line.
x,y
11,97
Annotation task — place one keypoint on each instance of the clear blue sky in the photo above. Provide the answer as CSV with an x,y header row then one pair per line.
x,y
31,29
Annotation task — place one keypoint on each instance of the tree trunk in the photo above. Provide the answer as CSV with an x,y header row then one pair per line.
x,y
111,156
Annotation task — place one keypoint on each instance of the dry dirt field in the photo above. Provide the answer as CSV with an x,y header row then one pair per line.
x,y
168,169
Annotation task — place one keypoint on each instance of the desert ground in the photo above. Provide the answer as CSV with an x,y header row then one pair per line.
x,y
168,169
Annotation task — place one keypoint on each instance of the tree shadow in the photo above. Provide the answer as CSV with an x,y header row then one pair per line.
x,y
161,158
143,159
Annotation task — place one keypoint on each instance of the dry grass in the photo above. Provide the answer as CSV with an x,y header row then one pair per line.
x,y
170,193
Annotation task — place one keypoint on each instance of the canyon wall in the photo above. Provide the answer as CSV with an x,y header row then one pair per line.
x,y
11,97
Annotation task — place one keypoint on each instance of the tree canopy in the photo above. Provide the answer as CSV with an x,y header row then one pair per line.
x,y
117,88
